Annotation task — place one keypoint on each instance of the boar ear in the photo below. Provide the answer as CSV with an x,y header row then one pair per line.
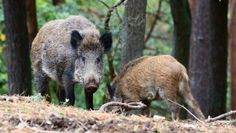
x,y
106,41
75,38
111,90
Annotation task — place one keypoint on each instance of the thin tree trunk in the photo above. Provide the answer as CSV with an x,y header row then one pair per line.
x,y
182,30
133,31
232,47
192,5
56,2
19,72
32,24
208,55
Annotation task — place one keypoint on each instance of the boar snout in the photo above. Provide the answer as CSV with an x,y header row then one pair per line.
x,y
91,85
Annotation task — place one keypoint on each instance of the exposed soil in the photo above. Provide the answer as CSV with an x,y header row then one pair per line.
x,y
27,114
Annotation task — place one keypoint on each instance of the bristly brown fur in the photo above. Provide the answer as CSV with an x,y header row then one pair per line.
x,y
128,66
91,37
151,77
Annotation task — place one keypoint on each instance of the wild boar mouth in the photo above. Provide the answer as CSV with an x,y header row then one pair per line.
x,y
91,87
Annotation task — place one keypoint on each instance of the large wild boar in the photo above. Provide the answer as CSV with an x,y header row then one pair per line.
x,y
148,78
69,51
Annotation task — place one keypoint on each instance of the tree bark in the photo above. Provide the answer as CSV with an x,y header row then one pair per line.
x,y
232,47
32,24
56,2
192,5
182,30
208,55
19,72
133,31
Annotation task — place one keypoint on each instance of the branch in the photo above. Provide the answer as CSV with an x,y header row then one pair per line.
x,y
161,37
15,98
119,17
116,46
209,119
109,13
107,29
32,128
105,4
154,22
85,128
231,122
150,48
187,111
132,105
112,74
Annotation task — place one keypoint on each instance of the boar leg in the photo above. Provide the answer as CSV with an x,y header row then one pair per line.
x,y
42,84
69,91
186,94
174,110
172,106
146,110
68,84
61,93
89,100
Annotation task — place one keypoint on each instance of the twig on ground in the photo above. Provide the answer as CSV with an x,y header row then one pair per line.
x,y
228,122
209,119
85,128
132,105
231,122
32,128
187,111
15,98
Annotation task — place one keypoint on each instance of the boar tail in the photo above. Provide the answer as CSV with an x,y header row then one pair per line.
x,y
185,92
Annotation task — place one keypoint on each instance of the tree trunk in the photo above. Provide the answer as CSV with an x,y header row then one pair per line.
x,y
56,2
208,55
133,31
19,72
182,30
32,24
192,5
232,47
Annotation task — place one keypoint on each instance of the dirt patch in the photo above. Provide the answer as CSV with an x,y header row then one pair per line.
x,y
24,114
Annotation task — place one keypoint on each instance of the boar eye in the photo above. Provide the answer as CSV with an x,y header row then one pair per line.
x,y
82,58
98,60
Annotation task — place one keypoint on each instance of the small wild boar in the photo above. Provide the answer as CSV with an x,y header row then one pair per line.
x,y
148,78
69,51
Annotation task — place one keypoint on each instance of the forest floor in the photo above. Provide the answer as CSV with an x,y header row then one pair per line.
x,y
29,114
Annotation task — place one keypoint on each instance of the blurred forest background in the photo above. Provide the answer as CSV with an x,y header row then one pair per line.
x,y
194,31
